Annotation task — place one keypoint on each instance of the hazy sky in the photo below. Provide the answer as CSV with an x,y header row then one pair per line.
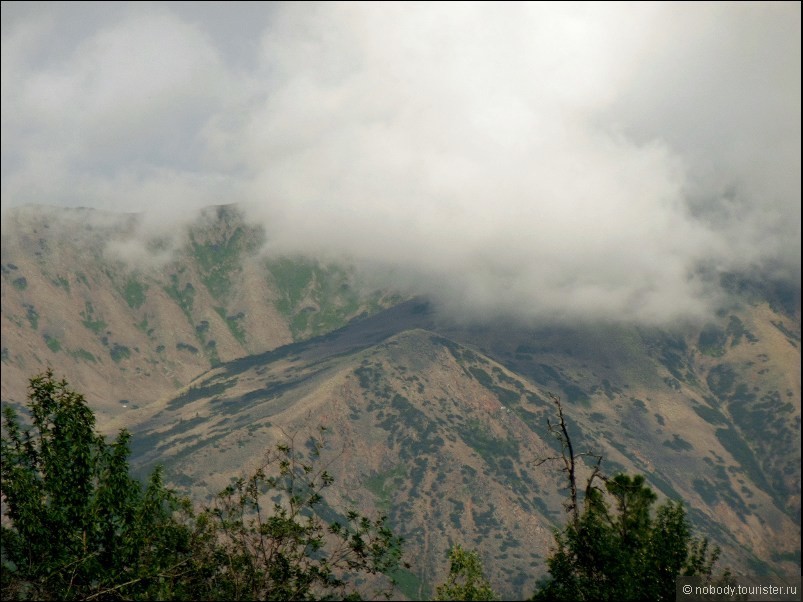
x,y
551,158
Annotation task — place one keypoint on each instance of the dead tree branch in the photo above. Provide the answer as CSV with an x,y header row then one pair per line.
x,y
569,460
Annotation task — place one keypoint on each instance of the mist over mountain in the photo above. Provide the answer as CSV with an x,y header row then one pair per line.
x,y
412,222
561,162
129,331
210,350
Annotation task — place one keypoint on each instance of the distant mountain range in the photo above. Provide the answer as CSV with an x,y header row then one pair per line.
x,y
214,354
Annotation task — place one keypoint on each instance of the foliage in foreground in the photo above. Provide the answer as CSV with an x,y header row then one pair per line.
x,y
271,545
466,580
77,526
624,552
80,527
616,549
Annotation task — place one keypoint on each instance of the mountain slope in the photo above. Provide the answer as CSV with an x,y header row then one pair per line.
x,y
446,438
131,318
211,353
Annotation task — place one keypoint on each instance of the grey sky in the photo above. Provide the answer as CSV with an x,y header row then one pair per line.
x,y
545,159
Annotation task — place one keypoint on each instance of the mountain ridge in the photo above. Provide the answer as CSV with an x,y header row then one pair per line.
x,y
438,420
399,392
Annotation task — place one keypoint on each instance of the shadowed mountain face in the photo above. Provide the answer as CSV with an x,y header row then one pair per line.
x,y
438,423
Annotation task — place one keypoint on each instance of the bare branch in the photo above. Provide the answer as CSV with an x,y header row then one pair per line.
x,y
569,459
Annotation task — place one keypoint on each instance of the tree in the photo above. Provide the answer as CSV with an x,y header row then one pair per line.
x,y
466,580
272,543
615,549
78,526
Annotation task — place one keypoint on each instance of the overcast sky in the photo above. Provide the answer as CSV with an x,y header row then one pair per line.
x,y
546,159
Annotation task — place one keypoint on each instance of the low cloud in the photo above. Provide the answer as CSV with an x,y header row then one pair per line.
x,y
566,160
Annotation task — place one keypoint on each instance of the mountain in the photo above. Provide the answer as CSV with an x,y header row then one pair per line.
x,y
132,320
214,353
445,434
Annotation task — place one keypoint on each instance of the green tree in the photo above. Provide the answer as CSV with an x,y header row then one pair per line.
x,y
272,543
466,580
616,549
80,526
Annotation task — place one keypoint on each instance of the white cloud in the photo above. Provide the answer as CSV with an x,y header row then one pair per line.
x,y
544,159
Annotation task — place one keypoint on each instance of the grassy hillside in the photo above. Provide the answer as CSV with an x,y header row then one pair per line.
x,y
131,325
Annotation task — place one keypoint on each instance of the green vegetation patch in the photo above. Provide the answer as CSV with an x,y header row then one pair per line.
x,y
410,585
90,321
52,343
678,443
478,436
711,416
544,374
737,331
657,480
383,485
62,282
707,491
234,324
20,283
32,315
83,354
134,293
482,376
144,326
292,277
218,261
411,428
316,298
119,352
712,340
506,396
742,453
184,296
671,351
720,380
